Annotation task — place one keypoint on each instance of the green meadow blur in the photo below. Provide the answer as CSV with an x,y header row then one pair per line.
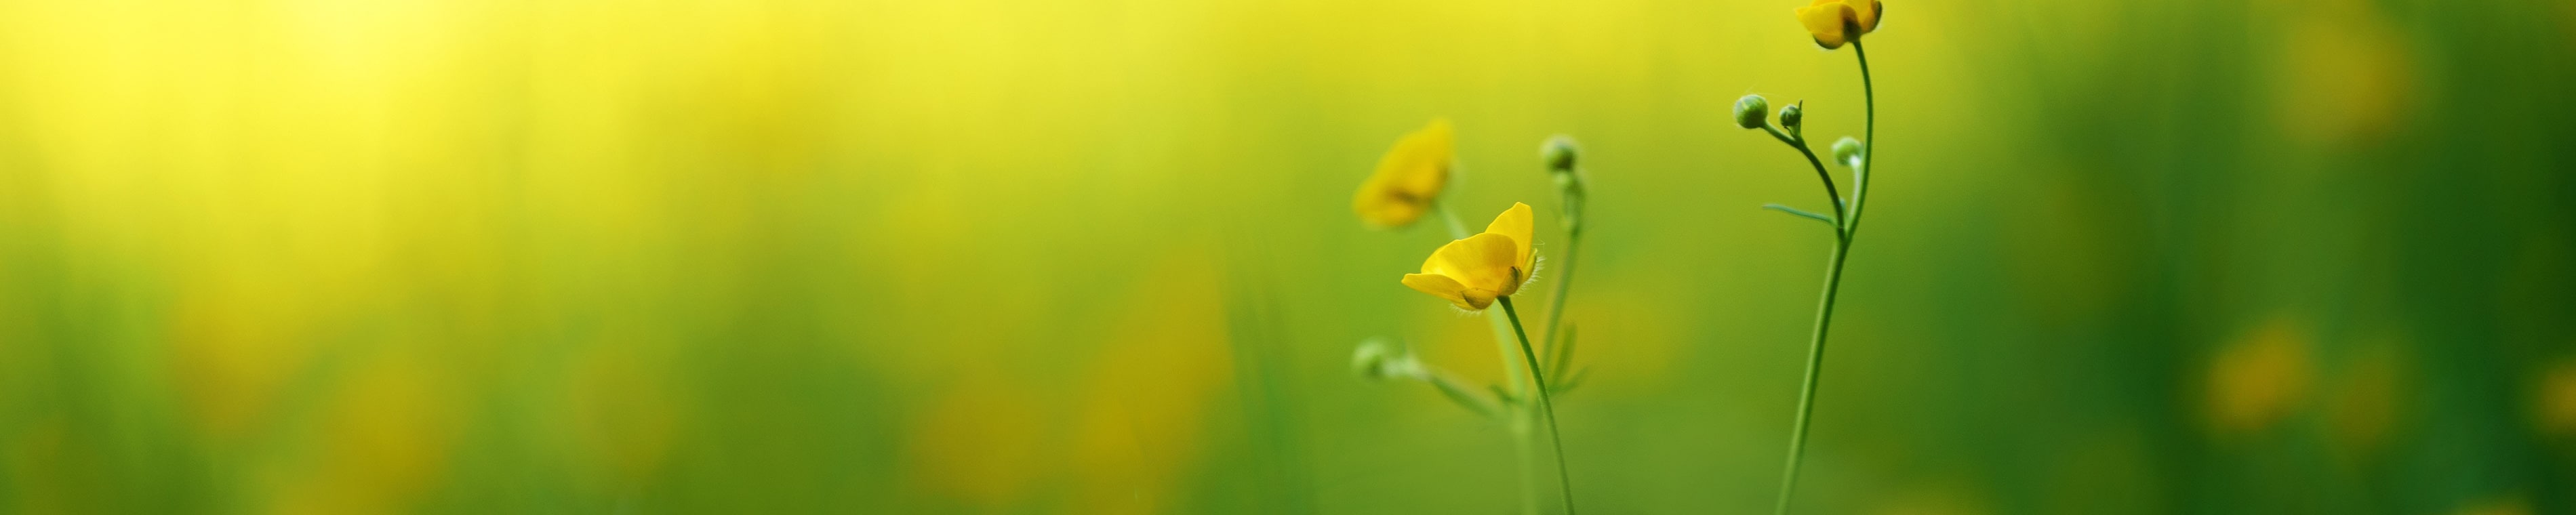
x,y
1035,256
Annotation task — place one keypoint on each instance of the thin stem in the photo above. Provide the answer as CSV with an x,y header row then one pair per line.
x,y
1546,405
1815,368
1457,231
1800,143
1868,141
1564,286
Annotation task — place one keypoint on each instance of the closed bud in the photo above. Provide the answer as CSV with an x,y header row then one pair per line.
x,y
1750,110
1792,115
1558,153
1378,359
1847,152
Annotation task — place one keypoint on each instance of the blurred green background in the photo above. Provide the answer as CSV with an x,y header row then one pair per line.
x,y
1031,256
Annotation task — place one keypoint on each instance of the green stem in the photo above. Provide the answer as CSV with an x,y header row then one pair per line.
x,y
1868,141
1457,231
1815,368
1564,286
1800,143
1514,408
1833,283
1564,480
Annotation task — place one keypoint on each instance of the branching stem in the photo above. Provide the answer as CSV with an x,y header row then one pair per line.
x,y
1800,143
1564,286
1564,480
1850,223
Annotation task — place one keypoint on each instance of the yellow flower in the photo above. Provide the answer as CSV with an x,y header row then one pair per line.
x,y
1473,272
1408,179
1835,22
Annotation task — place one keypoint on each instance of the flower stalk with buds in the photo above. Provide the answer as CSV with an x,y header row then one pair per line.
x,y
1559,153
1480,271
1833,24
1475,272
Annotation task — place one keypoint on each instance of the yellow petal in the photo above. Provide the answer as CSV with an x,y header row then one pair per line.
x,y
1480,262
1825,21
1440,286
1430,152
1515,223
1408,178
1477,300
1381,205
1866,12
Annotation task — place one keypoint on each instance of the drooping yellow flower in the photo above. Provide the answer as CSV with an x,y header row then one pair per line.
x,y
1835,22
1409,178
1473,272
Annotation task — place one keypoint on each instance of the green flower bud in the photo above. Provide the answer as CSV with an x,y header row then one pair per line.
x,y
1792,115
1558,153
1378,359
1847,151
1750,110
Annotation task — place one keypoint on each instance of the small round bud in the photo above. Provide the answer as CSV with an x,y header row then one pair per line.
x,y
1558,153
1374,359
1750,110
1791,115
1847,151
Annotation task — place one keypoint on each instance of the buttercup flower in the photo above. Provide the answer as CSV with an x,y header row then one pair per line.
x,y
1473,271
1835,22
1408,179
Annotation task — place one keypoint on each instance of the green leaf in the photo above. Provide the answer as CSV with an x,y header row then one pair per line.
x,y
1570,382
1460,394
1829,221
1561,355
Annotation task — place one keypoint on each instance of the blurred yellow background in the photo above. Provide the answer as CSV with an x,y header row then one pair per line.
x,y
1031,256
